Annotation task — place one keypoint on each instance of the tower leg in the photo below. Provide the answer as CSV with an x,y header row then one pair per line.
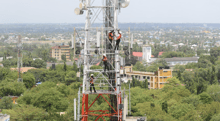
x,y
85,107
119,109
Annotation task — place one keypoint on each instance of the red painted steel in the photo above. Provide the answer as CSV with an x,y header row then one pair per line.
x,y
99,113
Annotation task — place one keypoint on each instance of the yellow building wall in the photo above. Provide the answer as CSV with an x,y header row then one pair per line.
x,y
58,52
157,80
65,50
128,69
161,86
164,74
152,82
163,79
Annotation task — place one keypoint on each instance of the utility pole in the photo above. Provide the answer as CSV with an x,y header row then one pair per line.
x,y
129,40
19,63
130,99
132,41
74,47
74,109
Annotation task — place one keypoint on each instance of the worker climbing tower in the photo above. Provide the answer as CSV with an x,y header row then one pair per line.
x,y
109,81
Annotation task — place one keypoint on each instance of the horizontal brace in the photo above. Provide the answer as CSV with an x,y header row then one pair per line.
x,y
100,6
98,111
97,54
101,71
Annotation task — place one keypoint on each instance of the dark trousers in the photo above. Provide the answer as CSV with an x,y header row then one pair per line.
x,y
117,44
110,44
106,66
92,85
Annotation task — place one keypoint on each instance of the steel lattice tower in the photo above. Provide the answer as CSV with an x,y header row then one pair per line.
x,y
111,78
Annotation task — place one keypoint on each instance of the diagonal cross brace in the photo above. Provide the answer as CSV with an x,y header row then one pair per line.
x,y
95,100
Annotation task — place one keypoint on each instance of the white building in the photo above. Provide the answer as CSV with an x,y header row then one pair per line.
x,y
1,59
146,49
181,44
4,117
181,60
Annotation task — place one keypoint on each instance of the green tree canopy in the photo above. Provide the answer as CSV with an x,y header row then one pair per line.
x,y
63,57
172,54
204,62
6,103
11,88
53,75
38,63
46,96
28,80
215,117
70,77
214,92
188,80
26,113
139,67
180,110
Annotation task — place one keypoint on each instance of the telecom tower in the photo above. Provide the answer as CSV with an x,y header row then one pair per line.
x,y
111,92
19,63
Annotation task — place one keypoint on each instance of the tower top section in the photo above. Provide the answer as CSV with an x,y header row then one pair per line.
x,y
85,5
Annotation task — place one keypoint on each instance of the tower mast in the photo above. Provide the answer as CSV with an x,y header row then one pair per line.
x,y
111,93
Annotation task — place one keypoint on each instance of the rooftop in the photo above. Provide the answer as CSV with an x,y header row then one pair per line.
x,y
56,47
139,54
182,59
160,53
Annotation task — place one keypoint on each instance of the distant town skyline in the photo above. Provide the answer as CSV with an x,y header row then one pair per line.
x,y
139,11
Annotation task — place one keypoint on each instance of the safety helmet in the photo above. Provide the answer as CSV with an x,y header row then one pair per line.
x,y
119,31
104,55
91,75
112,30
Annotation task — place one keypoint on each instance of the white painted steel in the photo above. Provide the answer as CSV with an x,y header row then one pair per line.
x,y
74,109
98,39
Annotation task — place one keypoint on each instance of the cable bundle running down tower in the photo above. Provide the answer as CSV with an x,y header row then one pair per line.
x,y
111,91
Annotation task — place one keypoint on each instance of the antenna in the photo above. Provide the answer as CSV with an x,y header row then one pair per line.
x,y
132,40
125,3
72,41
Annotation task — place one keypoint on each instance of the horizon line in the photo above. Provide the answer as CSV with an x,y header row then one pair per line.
x,y
119,23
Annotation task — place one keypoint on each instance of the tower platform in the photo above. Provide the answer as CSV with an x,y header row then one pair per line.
x,y
101,92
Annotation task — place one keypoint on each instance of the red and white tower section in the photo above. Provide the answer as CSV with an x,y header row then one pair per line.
x,y
107,83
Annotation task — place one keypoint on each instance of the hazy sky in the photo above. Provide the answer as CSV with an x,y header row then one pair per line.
x,y
156,11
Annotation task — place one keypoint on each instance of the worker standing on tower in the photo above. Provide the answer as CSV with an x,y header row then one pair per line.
x,y
105,61
110,36
92,83
118,40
